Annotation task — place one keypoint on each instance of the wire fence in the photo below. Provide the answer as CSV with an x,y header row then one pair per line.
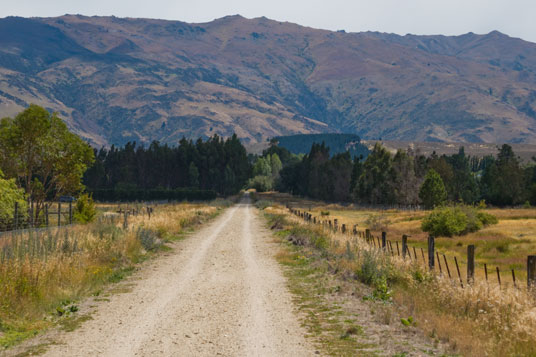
x,y
429,257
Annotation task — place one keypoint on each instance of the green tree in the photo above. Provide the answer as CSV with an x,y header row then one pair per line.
x,y
9,194
405,181
432,192
276,165
46,159
262,167
193,175
375,183
504,180
85,210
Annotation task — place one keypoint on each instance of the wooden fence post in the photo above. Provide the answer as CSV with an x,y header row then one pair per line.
x,y
531,271
470,264
59,213
498,276
458,269
70,212
16,216
30,218
447,265
46,214
384,240
343,228
431,256
404,246
367,234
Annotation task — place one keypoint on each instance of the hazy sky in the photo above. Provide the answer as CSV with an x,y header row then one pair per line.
x,y
450,17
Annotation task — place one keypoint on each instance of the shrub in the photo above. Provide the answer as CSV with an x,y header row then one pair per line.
x,y
486,218
378,222
148,239
85,211
456,220
262,204
261,183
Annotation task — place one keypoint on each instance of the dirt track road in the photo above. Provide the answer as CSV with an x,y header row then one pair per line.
x,y
220,292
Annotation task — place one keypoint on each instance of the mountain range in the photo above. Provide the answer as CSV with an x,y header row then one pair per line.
x,y
115,80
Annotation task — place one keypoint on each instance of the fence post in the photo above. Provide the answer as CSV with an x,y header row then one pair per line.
x,y
384,240
470,264
367,234
343,228
431,256
70,212
46,214
458,269
531,271
59,213
30,218
125,222
404,245
16,215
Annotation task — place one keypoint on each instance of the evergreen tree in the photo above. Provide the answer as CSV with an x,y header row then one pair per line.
x,y
375,184
193,174
504,180
432,192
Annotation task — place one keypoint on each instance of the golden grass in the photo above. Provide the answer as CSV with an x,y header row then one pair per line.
x,y
505,245
477,320
43,272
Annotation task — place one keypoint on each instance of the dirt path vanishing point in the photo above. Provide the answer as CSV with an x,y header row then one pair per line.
x,y
220,292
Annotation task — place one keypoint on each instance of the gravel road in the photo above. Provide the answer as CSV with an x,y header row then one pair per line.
x,y
219,292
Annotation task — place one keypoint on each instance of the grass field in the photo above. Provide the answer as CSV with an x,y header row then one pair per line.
x,y
44,273
475,320
505,245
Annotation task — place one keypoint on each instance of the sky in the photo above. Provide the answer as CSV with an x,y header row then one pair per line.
x,y
448,17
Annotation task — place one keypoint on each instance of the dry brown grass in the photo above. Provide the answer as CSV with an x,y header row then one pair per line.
x,y
504,245
42,272
477,320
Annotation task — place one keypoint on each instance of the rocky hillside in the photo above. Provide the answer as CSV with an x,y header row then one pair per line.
x,y
115,80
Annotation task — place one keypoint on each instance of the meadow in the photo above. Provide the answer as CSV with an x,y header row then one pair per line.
x,y
477,319
45,272
505,245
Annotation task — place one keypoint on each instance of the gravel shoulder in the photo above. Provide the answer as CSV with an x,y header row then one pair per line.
x,y
218,292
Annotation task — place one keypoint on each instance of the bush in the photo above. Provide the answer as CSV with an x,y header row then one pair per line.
x,y
378,222
148,239
85,211
456,220
262,204
261,183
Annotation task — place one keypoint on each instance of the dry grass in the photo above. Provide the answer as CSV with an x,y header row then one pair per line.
x,y
43,272
482,319
504,245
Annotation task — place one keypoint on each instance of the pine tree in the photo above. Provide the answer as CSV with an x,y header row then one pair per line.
x,y
432,192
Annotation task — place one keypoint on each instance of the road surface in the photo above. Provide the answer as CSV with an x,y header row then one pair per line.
x,y
219,292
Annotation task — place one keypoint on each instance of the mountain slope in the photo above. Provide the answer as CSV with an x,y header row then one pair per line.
x,y
116,80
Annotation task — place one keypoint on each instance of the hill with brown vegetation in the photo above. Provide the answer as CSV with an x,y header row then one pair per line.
x,y
116,80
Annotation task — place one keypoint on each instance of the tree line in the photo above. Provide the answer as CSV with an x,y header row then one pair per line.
x,y
191,170
409,178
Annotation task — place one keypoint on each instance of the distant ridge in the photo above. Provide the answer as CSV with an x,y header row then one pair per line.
x,y
116,80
